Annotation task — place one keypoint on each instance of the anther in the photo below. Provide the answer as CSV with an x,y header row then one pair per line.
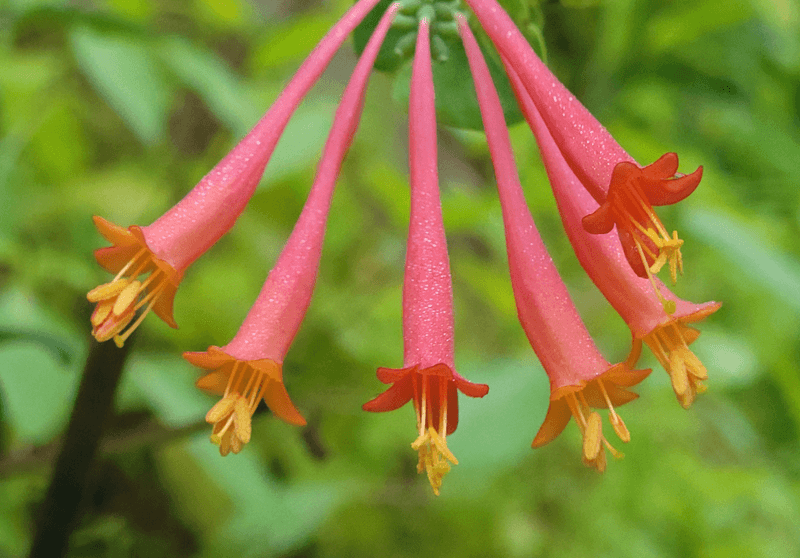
x,y
241,422
619,426
616,421
101,312
126,298
221,409
677,371
107,290
592,437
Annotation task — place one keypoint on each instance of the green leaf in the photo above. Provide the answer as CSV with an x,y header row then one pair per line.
x,y
507,418
123,71
285,518
23,319
167,384
61,349
37,391
205,74
772,271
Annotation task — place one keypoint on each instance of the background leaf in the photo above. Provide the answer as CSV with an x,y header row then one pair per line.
x,y
124,73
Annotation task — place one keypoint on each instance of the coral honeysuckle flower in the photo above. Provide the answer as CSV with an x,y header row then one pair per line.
x,y
660,322
242,384
249,368
167,247
629,205
434,390
626,191
120,299
580,378
428,376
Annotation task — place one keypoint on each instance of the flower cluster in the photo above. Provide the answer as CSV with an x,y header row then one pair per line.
x,y
597,185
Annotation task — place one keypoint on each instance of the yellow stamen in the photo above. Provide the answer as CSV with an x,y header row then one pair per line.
x,y
619,427
101,312
592,437
107,290
232,415
686,371
669,305
241,420
648,223
615,420
221,409
126,297
119,300
591,426
111,326
120,339
434,456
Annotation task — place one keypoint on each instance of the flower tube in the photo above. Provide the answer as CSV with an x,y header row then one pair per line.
x,y
428,375
661,323
580,378
626,191
249,368
167,247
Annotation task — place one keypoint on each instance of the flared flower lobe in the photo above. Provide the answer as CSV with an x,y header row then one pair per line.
x,y
607,391
434,391
119,300
629,205
242,384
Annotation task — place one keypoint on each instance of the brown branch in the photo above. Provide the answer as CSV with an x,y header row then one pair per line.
x,y
60,511
114,442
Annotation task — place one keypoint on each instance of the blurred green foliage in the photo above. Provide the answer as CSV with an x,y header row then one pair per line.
x,y
119,107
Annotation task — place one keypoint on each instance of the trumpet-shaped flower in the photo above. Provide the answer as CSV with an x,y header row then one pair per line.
x,y
249,368
243,384
629,205
580,378
625,190
118,301
660,322
167,247
428,376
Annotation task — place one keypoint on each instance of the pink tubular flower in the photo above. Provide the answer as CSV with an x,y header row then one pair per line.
x,y
166,248
249,368
625,191
662,324
428,375
580,378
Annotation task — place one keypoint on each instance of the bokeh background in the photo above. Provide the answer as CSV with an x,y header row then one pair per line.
x,y
118,107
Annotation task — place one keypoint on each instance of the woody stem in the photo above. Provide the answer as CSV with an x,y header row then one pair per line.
x,y
61,508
